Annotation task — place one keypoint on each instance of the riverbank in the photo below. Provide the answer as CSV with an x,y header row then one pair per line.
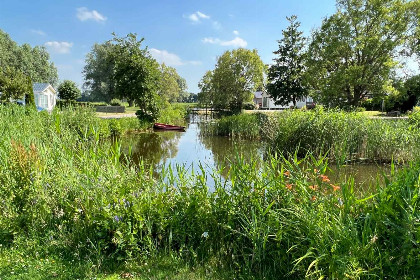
x,y
71,208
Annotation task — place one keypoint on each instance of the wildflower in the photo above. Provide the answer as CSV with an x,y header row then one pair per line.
x,y
314,187
289,186
205,234
324,178
313,198
340,202
287,173
315,170
335,188
117,218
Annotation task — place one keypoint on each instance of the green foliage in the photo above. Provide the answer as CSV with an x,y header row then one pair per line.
x,y
14,85
115,102
352,54
340,135
32,62
285,76
69,202
171,85
68,90
237,74
174,114
136,75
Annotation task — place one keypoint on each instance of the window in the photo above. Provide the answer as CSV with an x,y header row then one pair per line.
x,y
265,102
43,101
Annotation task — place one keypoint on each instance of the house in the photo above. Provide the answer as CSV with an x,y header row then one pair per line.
x,y
268,103
45,96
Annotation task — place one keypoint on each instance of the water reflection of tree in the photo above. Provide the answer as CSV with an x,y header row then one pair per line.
x,y
226,151
151,148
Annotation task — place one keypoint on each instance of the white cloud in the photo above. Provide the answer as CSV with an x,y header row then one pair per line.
x,y
236,32
59,47
197,16
38,32
236,42
170,59
84,14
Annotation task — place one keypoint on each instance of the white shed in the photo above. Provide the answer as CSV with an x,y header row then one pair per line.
x,y
268,103
45,96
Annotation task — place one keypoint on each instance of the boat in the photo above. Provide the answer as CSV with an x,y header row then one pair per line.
x,y
162,126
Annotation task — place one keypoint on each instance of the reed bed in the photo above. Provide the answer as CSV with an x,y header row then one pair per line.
x,y
343,136
67,196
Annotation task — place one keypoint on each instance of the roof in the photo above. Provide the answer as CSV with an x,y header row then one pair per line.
x,y
40,86
258,94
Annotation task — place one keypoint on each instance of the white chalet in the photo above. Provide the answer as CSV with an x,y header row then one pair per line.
x,y
45,96
268,103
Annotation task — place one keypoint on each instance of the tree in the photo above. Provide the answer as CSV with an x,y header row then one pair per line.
x,y
238,73
205,96
285,77
99,72
68,90
32,62
136,75
353,54
169,87
14,85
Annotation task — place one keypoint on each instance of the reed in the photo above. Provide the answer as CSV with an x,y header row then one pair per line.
x,y
343,136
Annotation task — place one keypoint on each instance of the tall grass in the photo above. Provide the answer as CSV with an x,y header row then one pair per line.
x,y
66,195
342,135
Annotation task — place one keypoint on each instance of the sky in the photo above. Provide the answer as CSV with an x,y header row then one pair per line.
x,y
188,35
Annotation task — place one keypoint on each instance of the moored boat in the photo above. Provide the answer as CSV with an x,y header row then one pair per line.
x,y
163,126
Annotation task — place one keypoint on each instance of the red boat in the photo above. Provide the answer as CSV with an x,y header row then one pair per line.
x,y
163,126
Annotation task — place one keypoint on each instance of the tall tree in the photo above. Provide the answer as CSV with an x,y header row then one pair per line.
x,y
136,75
285,76
205,96
169,88
238,73
99,72
353,54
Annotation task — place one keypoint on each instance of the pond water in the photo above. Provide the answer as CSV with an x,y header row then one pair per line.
x,y
161,149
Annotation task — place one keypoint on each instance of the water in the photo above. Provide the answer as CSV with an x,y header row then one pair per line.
x,y
162,149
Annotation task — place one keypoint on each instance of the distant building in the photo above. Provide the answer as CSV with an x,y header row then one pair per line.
x,y
45,96
265,102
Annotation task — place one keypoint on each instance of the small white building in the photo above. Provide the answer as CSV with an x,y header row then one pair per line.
x,y
268,103
45,96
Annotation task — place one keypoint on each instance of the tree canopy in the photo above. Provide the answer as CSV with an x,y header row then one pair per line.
x,y
136,75
285,76
352,55
237,74
32,62
14,84
68,90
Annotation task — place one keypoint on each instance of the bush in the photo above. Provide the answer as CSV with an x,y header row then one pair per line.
x,y
115,102
248,106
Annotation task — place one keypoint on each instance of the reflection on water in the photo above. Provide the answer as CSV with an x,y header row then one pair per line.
x,y
189,149
158,150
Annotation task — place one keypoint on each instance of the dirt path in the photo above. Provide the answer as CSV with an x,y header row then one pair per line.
x,y
116,115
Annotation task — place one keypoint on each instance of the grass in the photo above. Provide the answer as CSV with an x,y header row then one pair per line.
x,y
68,197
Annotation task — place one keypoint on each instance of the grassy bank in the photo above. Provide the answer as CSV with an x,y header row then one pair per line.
x,y
71,209
341,135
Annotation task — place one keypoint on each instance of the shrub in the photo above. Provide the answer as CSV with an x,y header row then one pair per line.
x,y
115,102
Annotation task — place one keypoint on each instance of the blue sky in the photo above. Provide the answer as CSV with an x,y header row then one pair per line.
x,y
188,35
